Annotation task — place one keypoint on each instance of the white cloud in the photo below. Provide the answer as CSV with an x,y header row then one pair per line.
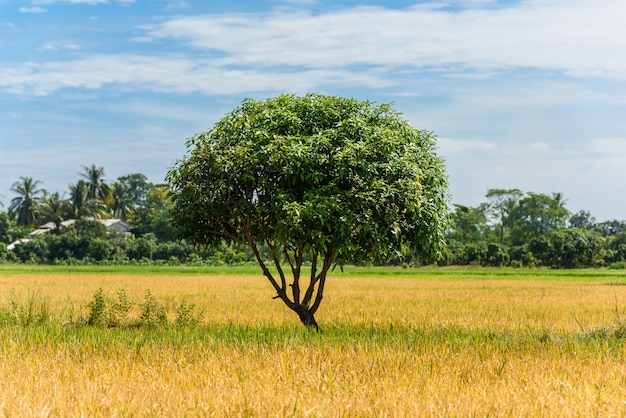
x,y
572,36
177,5
539,147
89,2
299,2
365,46
159,111
92,2
60,45
611,152
612,146
33,9
455,146
167,74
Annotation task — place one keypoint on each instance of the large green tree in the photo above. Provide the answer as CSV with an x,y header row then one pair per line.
x,y
325,177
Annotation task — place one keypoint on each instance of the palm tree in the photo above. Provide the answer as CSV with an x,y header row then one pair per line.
x,y
81,204
54,208
24,207
559,199
121,200
94,176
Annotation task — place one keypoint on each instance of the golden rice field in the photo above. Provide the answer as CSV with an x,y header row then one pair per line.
x,y
394,342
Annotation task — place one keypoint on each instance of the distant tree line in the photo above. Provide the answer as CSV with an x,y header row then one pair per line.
x,y
131,198
511,228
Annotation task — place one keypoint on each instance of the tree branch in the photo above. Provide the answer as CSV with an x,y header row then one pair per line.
x,y
328,261
273,253
276,260
315,278
295,287
281,293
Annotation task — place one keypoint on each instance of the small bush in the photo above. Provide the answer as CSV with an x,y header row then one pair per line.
x,y
619,265
152,313
186,315
34,312
108,312
97,309
119,309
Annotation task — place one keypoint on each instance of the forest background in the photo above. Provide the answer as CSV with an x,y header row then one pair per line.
x,y
510,228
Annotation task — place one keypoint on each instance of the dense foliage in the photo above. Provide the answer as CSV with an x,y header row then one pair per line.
x,y
531,229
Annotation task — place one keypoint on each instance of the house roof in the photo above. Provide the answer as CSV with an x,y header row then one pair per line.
x,y
114,222
50,225
15,243
108,223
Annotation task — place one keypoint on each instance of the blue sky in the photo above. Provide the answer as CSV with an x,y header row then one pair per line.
x,y
527,94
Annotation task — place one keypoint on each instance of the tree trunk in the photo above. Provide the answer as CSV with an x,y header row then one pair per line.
x,y
315,289
307,318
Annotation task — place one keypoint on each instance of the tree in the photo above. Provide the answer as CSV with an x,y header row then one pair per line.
x,y
536,214
87,228
5,228
81,204
54,209
95,180
120,199
574,248
127,194
152,215
468,222
501,204
24,207
138,187
610,228
616,247
333,179
582,219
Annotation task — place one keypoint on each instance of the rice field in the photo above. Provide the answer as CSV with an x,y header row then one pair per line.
x,y
394,342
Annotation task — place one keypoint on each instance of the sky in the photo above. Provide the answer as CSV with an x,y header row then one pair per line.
x,y
527,94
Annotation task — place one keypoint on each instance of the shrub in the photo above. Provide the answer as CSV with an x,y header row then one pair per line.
x,y
186,315
100,249
618,265
34,312
97,309
141,248
33,251
152,313
495,256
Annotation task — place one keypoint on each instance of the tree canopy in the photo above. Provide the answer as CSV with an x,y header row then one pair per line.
x,y
325,177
